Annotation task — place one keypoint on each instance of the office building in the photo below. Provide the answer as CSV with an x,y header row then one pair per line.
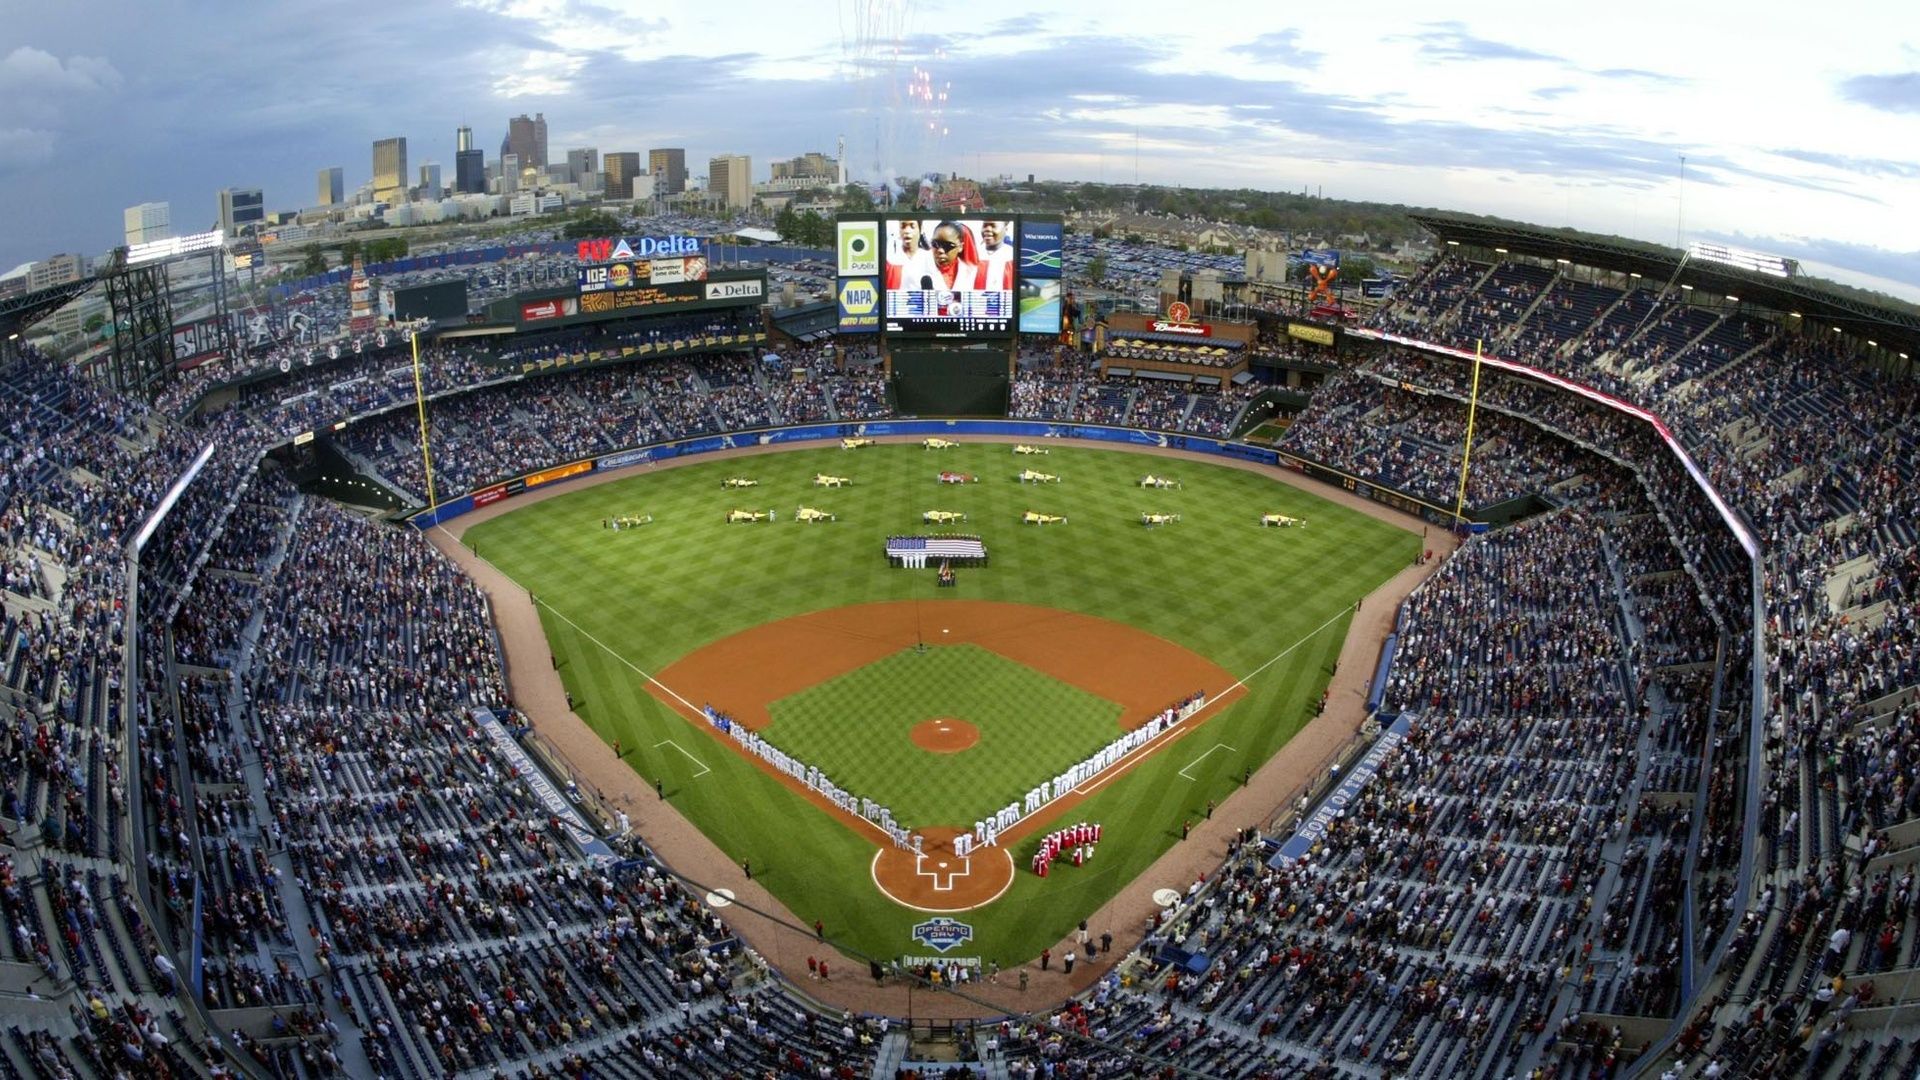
x,y
509,173
527,137
149,221
462,139
581,162
470,171
57,270
620,169
241,208
669,166
390,171
809,166
730,181
332,187
430,181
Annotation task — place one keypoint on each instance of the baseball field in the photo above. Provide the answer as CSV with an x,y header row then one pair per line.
x,y
943,704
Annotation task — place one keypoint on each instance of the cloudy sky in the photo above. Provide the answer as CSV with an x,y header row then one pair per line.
x,y
1800,125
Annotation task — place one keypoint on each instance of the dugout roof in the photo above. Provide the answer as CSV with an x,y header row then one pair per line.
x,y
1890,323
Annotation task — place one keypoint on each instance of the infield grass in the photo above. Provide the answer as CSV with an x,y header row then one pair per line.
x,y
857,727
615,604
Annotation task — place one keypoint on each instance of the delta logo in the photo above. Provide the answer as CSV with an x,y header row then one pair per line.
x,y
941,934
598,251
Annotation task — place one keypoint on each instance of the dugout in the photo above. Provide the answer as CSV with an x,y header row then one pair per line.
x,y
950,380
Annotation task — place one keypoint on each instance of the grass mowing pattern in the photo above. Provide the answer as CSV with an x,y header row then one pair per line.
x,y
1215,583
855,728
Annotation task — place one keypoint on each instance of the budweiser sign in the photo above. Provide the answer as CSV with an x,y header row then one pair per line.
x,y
1162,326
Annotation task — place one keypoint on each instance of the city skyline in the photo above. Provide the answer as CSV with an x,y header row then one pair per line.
x,y
1798,135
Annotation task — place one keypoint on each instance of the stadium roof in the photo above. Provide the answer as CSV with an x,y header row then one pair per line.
x,y
19,312
1884,320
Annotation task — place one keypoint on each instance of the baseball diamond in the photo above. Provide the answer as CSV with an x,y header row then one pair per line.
x,y
810,640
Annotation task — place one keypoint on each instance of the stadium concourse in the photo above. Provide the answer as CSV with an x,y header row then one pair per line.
x,y
1637,802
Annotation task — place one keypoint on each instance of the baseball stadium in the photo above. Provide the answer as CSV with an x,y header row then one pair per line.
x,y
969,641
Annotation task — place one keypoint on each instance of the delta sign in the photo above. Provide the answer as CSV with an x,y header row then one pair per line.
x,y
645,247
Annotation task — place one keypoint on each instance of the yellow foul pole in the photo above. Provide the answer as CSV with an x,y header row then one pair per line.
x,y
1466,453
420,403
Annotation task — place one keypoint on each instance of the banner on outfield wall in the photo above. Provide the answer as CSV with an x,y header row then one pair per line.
x,y
1314,828
488,496
548,476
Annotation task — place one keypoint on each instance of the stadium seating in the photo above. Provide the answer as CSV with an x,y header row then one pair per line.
x,y
293,786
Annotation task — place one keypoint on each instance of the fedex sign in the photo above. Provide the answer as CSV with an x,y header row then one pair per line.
x,y
599,251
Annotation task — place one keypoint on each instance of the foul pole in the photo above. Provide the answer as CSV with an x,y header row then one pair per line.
x,y
1466,452
420,403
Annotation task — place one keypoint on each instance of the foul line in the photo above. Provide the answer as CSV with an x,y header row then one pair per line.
x,y
1203,757
697,711
1117,768
704,770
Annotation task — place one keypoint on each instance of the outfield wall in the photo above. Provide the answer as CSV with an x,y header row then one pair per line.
x,y
1029,429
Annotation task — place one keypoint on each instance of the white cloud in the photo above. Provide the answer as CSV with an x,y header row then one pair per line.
x,y
30,70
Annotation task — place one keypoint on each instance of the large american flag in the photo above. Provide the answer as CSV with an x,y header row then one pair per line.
x,y
939,547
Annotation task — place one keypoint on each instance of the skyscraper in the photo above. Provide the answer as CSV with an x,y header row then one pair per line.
x,y
620,170
470,172
509,173
333,187
462,139
581,162
430,181
390,171
669,167
149,221
527,137
239,208
730,180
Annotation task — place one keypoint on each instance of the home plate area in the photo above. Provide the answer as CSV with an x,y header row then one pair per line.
x,y
936,879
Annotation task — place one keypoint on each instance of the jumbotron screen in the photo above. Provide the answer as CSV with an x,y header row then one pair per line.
x,y
949,275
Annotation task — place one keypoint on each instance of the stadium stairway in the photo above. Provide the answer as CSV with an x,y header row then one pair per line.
x,y
893,1054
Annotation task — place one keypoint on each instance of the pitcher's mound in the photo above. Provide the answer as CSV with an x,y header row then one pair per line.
x,y
944,735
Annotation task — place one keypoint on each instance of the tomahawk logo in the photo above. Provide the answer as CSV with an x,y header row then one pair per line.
x,y
941,934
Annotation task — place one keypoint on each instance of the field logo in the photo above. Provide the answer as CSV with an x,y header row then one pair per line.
x,y
941,933
859,248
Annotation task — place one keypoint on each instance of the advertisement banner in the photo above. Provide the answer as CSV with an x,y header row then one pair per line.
x,y
487,496
557,308
1040,248
624,458
673,271
1319,335
736,290
642,248
859,248
859,301
1325,258
196,341
548,476
617,275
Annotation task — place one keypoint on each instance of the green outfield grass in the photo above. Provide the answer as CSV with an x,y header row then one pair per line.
x,y
616,604
856,729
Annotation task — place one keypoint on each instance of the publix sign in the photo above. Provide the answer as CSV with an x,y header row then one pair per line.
x,y
645,247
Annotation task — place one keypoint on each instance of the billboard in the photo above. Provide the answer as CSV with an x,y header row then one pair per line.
x,y
640,249
542,310
196,341
1324,258
434,300
616,275
1041,241
859,248
1040,307
859,303
671,271
949,276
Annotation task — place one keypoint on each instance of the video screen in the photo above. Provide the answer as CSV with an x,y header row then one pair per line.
x,y
949,275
